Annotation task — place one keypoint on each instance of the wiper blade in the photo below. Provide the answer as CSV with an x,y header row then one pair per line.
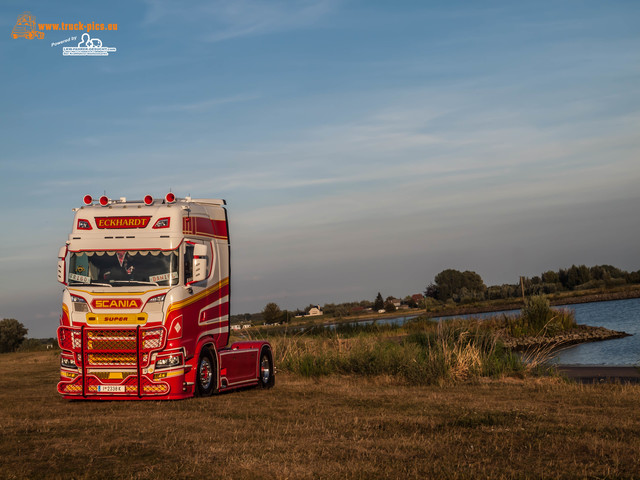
x,y
89,284
129,282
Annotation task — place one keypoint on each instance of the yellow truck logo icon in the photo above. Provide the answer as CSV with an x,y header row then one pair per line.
x,y
26,27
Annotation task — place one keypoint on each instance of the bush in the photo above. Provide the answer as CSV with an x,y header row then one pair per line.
x,y
536,312
12,334
538,318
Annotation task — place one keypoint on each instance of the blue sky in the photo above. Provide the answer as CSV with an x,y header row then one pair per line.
x,y
362,146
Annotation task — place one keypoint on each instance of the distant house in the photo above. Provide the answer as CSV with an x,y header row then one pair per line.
x,y
417,298
314,311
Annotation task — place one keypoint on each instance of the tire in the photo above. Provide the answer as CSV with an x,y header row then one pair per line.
x,y
266,375
207,374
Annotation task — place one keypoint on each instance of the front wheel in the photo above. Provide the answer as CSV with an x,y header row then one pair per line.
x,y
266,377
207,374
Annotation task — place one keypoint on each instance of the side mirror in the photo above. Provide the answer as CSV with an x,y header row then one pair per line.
x,y
62,264
200,271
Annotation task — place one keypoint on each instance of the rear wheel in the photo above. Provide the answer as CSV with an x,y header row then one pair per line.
x,y
266,378
207,374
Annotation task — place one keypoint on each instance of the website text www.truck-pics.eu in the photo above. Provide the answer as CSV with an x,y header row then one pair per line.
x,y
88,27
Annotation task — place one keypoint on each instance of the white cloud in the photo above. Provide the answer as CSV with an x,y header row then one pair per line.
x,y
201,105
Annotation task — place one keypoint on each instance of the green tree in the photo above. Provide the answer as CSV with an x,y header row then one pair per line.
x,y
378,304
577,276
285,316
271,313
12,334
431,291
330,309
341,311
454,284
550,277
389,306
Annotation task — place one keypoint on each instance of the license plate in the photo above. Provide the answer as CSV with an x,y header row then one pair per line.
x,y
111,388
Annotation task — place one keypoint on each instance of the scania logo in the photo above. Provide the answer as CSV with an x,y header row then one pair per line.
x,y
116,303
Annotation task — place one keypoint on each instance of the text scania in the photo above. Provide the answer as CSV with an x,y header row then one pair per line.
x,y
116,303
89,27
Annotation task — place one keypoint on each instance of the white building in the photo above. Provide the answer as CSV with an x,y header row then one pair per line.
x,y
314,311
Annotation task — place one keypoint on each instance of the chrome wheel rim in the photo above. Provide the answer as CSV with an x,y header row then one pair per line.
x,y
265,371
205,373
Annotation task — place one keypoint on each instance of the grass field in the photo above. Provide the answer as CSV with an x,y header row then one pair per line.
x,y
334,427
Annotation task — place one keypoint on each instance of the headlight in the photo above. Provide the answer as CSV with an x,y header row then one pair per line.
x,y
170,361
159,298
79,304
67,362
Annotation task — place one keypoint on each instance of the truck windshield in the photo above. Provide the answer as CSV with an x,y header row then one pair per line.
x,y
116,268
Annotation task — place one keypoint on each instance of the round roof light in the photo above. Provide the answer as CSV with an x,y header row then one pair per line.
x,y
148,200
170,198
88,200
104,200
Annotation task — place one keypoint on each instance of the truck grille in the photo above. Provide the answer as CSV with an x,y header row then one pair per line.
x,y
112,348
111,340
115,359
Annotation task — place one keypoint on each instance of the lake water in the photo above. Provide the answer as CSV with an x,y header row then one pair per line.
x,y
620,315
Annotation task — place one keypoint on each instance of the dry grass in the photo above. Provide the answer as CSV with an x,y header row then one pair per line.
x,y
421,352
334,427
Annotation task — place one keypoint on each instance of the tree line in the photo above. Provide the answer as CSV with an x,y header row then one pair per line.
x,y
466,287
452,285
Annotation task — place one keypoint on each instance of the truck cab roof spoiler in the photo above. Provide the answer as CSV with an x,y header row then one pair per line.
x,y
210,201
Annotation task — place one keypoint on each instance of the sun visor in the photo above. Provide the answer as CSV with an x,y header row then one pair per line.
x,y
113,244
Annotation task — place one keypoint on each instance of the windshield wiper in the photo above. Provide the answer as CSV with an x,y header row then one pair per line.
x,y
129,282
88,284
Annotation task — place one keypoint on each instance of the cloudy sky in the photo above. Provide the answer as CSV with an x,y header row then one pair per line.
x,y
362,146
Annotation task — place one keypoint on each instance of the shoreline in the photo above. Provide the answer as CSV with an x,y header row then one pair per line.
x,y
626,294
576,336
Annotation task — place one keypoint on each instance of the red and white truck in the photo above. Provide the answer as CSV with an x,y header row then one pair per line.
x,y
145,308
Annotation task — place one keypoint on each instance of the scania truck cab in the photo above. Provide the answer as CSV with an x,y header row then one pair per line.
x,y
145,307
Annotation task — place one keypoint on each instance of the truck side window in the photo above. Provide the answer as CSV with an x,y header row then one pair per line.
x,y
188,264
